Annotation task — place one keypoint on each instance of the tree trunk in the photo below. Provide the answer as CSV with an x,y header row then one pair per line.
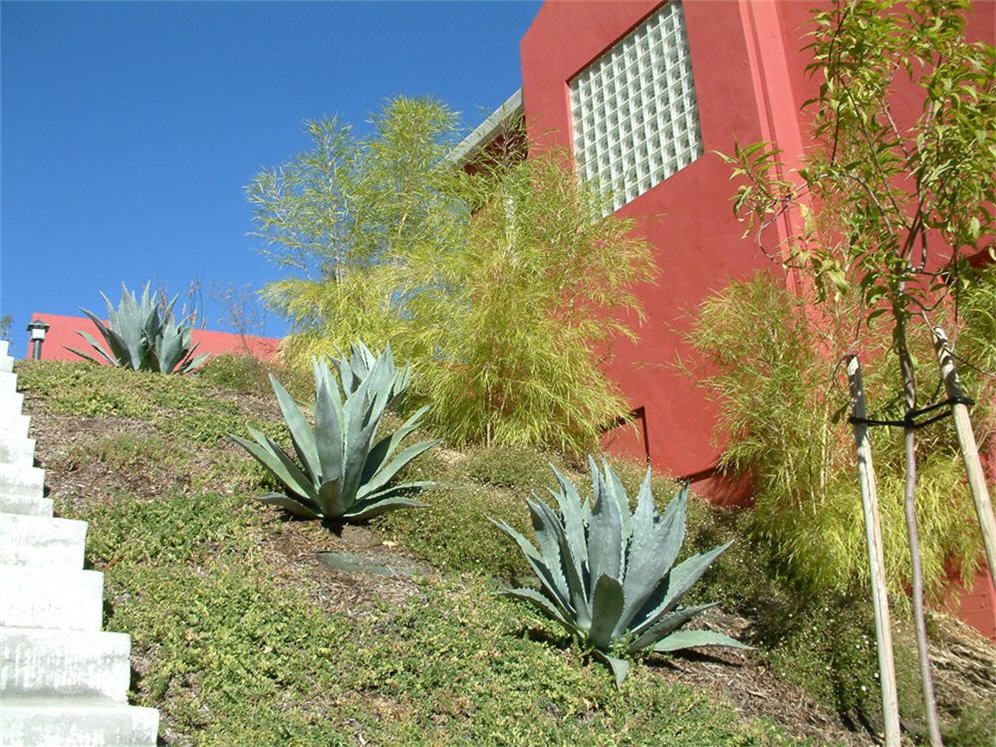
x,y
909,510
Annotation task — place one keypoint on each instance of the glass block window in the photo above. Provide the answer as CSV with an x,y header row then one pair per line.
x,y
635,118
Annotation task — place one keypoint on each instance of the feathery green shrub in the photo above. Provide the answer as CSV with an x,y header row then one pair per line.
x,y
499,281
785,417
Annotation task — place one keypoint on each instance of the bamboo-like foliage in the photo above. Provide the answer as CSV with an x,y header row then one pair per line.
x,y
542,290
770,371
499,283
896,190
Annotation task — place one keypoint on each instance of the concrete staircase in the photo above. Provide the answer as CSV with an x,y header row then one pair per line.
x,y
62,680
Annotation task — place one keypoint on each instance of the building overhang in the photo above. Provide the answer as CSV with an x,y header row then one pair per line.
x,y
497,123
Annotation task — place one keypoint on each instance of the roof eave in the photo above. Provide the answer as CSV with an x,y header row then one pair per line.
x,y
496,123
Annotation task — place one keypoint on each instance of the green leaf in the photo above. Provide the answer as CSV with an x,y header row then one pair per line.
x,y
620,667
695,638
298,508
606,607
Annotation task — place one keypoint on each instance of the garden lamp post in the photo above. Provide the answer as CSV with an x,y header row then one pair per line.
x,y
38,329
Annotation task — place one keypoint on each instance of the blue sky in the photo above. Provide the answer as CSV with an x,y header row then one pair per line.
x,y
129,130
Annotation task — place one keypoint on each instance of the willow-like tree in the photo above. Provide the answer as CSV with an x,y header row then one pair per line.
x,y
892,202
499,282
345,219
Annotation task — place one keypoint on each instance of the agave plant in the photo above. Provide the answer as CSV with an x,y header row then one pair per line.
x,y
354,367
608,576
345,473
142,336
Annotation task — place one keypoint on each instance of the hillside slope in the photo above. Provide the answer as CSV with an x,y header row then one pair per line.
x,y
241,635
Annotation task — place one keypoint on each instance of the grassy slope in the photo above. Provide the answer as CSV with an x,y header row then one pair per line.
x,y
233,650
234,645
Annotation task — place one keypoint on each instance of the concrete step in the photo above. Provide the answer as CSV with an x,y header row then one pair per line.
x,y
14,426
80,722
26,506
4,345
55,599
8,382
11,403
41,541
6,364
23,482
18,452
48,663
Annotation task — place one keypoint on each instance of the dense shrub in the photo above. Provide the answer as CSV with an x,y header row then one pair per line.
x,y
500,283
785,415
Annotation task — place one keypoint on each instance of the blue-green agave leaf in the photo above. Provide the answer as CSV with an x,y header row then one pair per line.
x,y
302,434
298,508
574,520
389,470
653,547
334,504
276,461
330,427
565,560
382,451
538,563
369,509
606,607
620,667
670,591
605,532
552,546
695,638
667,623
545,605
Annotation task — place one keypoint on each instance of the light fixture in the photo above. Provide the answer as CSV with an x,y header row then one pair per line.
x,y
38,330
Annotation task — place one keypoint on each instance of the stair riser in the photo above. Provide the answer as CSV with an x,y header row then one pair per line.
x,y
8,382
80,725
41,663
11,403
43,542
14,427
18,452
27,482
17,489
6,364
26,506
54,600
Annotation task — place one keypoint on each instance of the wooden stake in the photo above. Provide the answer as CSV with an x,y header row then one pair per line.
x,y
969,449
876,555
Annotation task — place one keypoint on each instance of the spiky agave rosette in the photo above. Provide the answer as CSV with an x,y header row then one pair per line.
x,y
354,366
345,473
141,335
608,576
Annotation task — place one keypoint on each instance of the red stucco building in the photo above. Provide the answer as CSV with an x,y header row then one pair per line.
x,y
62,333
641,92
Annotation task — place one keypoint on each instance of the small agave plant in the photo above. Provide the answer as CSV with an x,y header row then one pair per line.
x,y
345,473
608,576
142,336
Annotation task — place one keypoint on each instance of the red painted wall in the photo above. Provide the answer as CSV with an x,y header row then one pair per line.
x,y
688,217
63,332
750,81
